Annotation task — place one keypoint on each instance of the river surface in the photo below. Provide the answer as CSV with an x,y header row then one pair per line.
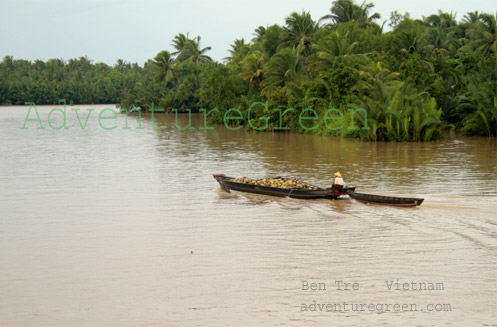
x,y
127,227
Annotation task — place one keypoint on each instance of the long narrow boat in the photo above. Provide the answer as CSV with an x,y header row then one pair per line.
x,y
381,199
229,184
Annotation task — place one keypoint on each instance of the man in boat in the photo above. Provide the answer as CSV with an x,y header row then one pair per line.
x,y
338,182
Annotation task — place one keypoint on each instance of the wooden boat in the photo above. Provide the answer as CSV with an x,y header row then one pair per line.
x,y
381,199
228,185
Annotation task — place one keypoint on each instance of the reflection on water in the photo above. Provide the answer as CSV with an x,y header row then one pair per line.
x,y
98,227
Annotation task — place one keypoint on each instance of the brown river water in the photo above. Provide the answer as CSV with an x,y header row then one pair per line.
x,y
127,227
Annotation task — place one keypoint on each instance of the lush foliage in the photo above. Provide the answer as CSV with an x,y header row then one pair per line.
x,y
77,80
414,81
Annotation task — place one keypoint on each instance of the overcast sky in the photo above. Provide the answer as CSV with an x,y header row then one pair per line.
x,y
136,30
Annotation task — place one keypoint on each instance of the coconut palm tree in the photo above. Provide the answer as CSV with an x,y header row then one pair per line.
x,y
179,42
441,31
253,68
237,45
285,69
272,40
299,30
335,45
239,49
483,35
191,51
471,17
344,11
259,34
442,20
409,41
122,65
162,67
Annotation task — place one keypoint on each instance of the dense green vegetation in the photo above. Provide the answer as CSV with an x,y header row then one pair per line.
x,y
77,80
414,81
